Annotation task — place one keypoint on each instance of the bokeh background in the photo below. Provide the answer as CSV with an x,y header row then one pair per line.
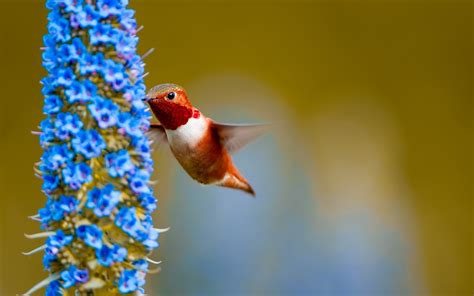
x,y
365,184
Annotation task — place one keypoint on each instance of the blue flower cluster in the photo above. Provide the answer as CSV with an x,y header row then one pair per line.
x,y
118,164
54,289
88,143
106,256
74,275
140,230
54,245
131,280
55,157
76,174
96,164
105,112
57,210
103,201
91,235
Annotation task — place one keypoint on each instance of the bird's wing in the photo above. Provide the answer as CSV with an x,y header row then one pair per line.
x,y
235,136
157,134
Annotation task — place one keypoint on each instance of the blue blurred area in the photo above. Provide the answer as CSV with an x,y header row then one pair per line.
x,y
224,242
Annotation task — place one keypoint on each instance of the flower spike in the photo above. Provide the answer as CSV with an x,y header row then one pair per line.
x,y
96,163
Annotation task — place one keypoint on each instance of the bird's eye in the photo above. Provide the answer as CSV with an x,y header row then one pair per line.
x,y
171,95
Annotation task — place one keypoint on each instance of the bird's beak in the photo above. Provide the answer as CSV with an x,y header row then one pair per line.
x,y
145,99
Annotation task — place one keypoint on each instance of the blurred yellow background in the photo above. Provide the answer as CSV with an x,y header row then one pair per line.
x,y
364,186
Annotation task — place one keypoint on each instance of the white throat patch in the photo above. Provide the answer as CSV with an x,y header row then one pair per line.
x,y
190,133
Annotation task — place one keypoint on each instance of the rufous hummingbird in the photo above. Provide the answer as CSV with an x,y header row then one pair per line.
x,y
202,146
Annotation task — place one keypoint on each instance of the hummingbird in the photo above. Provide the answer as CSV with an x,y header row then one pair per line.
x,y
202,146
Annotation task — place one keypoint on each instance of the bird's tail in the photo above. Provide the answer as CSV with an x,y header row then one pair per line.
x,y
237,181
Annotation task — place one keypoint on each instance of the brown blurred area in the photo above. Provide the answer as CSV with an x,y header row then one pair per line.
x,y
376,98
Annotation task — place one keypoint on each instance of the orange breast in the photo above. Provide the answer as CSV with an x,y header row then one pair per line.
x,y
207,162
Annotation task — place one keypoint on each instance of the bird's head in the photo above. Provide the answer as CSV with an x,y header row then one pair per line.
x,y
168,93
170,104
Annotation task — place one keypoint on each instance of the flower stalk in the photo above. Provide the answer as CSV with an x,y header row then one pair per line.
x,y
96,164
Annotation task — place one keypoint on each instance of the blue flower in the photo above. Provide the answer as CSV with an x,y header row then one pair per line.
x,y
126,45
74,6
107,256
127,21
48,260
51,212
118,164
139,110
67,278
141,230
102,33
51,4
105,112
81,275
68,204
128,221
47,132
147,163
75,175
87,17
130,280
56,242
139,182
89,143
52,104
115,75
47,126
141,264
49,41
134,63
91,235
151,241
148,202
49,85
58,27
130,125
65,77
49,59
111,7
50,183
74,275
126,218
91,63
69,53
67,125
81,91
60,239
137,92
54,288
45,214
103,201
142,145
56,156
56,210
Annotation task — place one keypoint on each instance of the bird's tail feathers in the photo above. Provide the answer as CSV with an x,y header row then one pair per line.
x,y
237,181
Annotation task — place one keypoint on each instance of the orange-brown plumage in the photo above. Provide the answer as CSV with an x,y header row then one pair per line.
x,y
201,146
